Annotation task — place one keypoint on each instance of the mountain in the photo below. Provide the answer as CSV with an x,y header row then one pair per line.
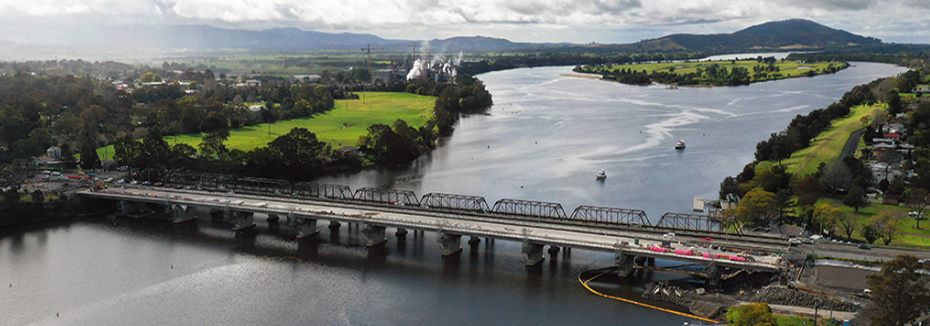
x,y
204,37
789,34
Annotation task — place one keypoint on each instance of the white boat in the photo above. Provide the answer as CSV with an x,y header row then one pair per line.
x,y
680,144
601,175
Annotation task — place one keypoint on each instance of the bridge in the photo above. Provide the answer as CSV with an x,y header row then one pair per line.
x,y
624,232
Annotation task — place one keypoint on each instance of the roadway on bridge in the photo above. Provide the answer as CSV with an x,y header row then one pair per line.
x,y
591,238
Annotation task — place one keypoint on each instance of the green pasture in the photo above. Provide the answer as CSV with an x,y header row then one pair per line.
x,y
338,127
828,144
788,68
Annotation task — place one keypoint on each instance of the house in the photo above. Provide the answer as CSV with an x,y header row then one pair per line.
x,y
885,171
53,152
347,151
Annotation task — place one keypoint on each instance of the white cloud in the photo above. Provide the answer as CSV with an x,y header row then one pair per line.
x,y
523,20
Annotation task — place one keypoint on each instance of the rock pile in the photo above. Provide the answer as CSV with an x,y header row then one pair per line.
x,y
793,297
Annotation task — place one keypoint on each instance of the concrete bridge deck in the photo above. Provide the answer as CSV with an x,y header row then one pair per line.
x,y
374,219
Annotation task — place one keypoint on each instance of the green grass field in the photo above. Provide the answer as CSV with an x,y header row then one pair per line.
x,y
782,320
909,236
339,127
827,145
788,68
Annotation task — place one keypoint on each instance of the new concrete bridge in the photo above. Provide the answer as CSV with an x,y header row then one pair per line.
x,y
630,245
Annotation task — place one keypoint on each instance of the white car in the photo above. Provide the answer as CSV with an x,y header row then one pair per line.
x,y
794,241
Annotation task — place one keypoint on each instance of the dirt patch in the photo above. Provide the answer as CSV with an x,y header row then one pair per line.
x,y
581,76
840,278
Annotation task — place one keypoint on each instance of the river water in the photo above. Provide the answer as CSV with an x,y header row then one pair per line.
x,y
544,139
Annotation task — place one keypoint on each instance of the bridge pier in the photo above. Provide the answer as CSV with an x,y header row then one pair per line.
x,y
183,213
532,253
449,243
554,249
713,274
240,220
273,218
128,207
625,263
401,232
473,240
373,234
306,227
333,224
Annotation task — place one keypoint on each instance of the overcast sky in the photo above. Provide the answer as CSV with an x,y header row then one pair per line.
x,y
577,21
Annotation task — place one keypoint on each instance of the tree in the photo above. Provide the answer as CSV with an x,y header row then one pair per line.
x,y
836,175
855,198
917,201
886,225
808,189
212,145
827,217
899,292
729,187
848,222
754,314
869,233
38,197
758,207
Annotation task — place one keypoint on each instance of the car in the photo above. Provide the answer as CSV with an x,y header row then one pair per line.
x,y
916,215
108,180
794,241
146,183
134,182
121,181
864,246
707,239
157,184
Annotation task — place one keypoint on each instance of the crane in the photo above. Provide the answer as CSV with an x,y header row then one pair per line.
x,y
368,49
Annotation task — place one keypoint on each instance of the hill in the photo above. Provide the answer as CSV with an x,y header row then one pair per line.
x,y
789,34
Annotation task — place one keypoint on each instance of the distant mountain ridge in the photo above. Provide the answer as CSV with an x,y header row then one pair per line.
x,y
792,34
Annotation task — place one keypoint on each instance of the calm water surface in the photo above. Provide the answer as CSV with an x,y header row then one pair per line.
x,y
544,140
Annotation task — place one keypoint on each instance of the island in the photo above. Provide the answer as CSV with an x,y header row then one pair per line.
x,y
711,73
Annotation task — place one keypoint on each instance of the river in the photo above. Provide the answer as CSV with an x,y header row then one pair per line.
x,y
544,139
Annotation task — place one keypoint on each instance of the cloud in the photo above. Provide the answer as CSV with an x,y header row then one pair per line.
x,y
520,20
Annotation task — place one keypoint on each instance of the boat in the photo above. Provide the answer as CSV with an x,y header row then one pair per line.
x,y
680,144
601,175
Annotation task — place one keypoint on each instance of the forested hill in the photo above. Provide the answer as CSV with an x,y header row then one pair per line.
x,y
792,34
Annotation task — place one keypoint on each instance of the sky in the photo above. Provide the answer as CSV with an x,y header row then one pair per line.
x,y
575,21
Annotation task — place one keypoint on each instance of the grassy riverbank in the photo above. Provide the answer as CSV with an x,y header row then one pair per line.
x,y
712,72
338,127
828,144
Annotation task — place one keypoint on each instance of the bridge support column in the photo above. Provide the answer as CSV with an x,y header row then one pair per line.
x,y
625,263
184,213
713,275
554,249
473,240
273,218
373,234
128,207
240,220
532,253
401,232
449,244
334,224
305,226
